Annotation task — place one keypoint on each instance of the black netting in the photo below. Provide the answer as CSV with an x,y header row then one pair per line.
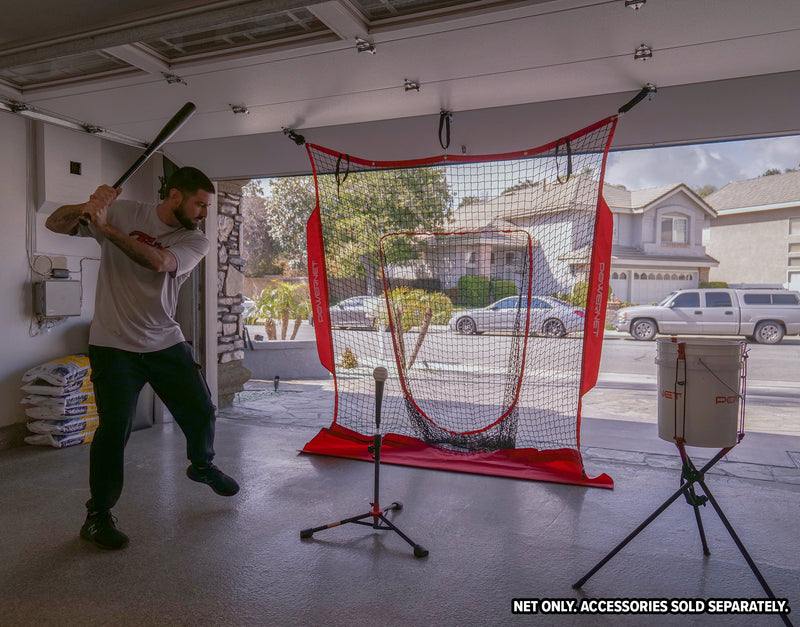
x,y
467,280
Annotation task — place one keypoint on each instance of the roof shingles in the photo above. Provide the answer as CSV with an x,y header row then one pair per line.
x,y
765,190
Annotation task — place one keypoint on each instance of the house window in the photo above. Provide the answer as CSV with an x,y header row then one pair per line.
x,y
674,230
615,232
794,226
794,249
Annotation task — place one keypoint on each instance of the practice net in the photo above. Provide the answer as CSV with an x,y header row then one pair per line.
x,y
480,283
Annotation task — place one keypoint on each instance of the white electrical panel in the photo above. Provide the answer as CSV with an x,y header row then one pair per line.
x,y
57,298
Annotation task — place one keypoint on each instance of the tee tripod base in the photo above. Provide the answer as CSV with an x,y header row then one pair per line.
x,y
379,522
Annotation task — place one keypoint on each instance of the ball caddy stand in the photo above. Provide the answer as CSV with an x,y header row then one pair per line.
x,y
379,520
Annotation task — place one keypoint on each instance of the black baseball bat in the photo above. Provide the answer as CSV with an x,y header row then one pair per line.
x,y
170,128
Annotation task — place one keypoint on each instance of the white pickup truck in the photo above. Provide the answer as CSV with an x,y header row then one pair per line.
x,y
763,315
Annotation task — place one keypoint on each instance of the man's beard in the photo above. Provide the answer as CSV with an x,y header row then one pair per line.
x,y
185,221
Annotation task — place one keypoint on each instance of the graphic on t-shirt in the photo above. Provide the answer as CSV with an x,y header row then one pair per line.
x,y
150,241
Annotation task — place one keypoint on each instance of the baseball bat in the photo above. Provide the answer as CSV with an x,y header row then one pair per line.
x,y
170,128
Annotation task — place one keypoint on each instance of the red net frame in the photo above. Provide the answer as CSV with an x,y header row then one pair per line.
x,y
528,431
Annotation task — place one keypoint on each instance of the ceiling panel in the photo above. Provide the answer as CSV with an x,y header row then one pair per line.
x,y
282,61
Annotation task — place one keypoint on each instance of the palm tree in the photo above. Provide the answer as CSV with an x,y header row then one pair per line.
x,y
264,309
285,301
301,309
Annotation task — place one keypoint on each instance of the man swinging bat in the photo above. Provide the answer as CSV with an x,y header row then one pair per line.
x,y
147,252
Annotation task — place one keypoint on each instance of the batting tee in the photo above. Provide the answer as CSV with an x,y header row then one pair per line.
x,y
425,239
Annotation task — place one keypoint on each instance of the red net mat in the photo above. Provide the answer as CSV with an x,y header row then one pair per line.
x,y
480,283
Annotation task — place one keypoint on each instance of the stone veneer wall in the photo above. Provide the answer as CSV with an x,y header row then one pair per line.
x,y
230,267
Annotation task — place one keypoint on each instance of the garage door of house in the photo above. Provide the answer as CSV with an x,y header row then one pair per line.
x,y
649,287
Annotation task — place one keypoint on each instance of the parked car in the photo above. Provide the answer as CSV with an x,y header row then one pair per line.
x,y
357,311
549,316
763,315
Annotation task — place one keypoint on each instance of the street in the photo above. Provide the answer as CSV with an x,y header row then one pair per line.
x,y
626,387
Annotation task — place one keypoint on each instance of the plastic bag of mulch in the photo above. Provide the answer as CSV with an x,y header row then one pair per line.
x,y
42,387
84,396
61,427
61,441
47,412
60,372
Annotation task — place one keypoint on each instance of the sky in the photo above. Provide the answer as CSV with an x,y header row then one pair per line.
x,y
702,164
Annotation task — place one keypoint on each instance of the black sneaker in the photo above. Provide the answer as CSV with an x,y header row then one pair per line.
x,y
211,475
100,529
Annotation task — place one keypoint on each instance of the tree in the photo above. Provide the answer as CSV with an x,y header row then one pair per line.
x,y
772,172
258,245
704,190
371,204
287,208
364,206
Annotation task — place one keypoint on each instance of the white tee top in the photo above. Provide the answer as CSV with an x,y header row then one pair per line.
x,y
135,307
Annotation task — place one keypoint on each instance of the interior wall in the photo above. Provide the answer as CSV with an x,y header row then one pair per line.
x,y
23,346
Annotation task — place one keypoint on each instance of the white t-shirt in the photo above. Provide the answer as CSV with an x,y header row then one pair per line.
x,y
135,307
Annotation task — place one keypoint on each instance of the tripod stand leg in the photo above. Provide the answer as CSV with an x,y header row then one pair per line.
x,y
693,477
699,520
307,533
419,550
741,548
636,532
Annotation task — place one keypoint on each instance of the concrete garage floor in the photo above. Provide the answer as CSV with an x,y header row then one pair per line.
x,y
199,559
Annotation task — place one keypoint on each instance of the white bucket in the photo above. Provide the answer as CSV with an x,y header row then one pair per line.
x,y
701,405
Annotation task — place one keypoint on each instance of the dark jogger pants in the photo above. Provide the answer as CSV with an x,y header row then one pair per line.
x,y
118,377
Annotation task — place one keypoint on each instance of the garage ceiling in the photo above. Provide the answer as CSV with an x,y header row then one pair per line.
x,y
515,74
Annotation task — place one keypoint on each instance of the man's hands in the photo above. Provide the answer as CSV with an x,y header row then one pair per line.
x,y
65,219
96,210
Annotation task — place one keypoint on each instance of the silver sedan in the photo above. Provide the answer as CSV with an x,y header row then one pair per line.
x,y
357,311
549,317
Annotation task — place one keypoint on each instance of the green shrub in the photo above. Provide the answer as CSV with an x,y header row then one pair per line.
x,y
502,289
579,293
349,359
576,298
474,290
712,284
413,304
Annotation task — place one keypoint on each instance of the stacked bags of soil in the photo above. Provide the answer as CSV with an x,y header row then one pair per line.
x,y
60,396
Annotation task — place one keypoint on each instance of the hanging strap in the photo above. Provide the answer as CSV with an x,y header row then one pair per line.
x,y
445,118
339,182
569,160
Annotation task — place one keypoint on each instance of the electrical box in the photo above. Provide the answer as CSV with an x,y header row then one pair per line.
x,y
56,299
